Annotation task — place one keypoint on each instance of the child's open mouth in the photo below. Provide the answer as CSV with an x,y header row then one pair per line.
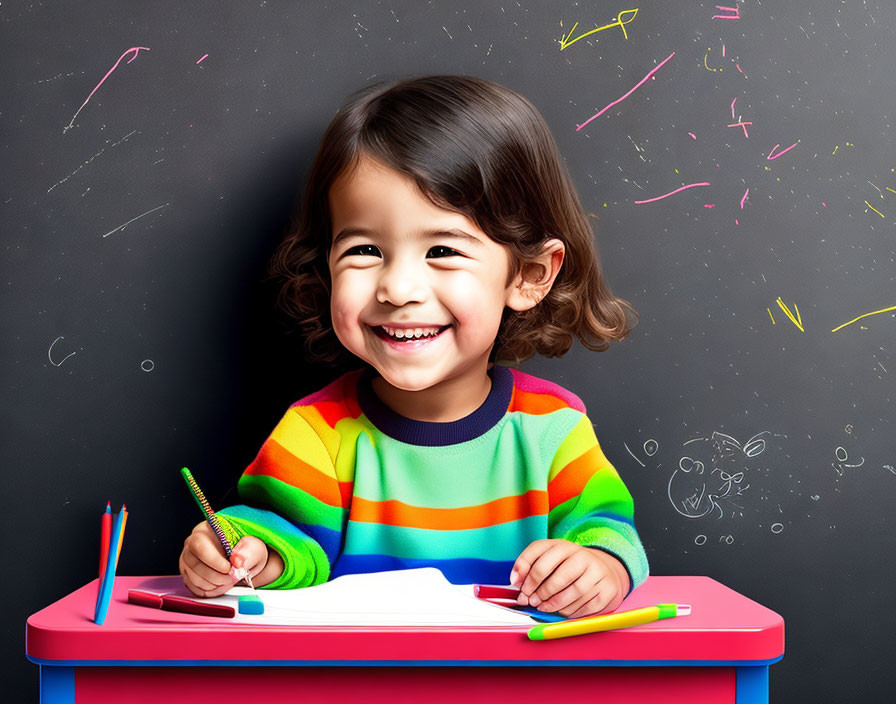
x,y
409,339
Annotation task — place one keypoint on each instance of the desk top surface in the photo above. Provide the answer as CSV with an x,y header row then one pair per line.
x,y
724,626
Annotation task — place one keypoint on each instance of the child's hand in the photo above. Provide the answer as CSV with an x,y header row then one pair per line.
x,y
205,568
559,575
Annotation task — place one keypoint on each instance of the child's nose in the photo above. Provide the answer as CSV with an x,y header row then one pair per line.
x,y
401,283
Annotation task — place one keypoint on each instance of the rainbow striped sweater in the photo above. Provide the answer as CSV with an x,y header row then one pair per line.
x,y
346,485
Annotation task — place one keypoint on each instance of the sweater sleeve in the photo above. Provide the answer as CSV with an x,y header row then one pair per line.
x,y
588,503
292,502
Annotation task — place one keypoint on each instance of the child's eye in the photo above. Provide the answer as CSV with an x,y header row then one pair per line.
x,y
442,251
363,250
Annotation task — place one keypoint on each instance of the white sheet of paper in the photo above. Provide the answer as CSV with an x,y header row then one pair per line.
x,y
417,597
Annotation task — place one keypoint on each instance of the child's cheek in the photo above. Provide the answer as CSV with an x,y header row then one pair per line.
x,y
341,315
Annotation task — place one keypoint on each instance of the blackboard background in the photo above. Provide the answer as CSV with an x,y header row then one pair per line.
x,y
210,157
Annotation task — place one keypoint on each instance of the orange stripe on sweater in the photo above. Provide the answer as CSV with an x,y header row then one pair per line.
x,y
276,462
533,403
397,513
572,478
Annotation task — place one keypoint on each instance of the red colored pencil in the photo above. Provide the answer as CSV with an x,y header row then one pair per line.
x,y
105,535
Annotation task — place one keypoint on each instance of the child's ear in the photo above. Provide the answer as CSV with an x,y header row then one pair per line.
x,y
536,277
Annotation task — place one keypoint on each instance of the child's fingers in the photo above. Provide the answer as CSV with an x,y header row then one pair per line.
x,y
200,586
204,544
248,557
196,580
249,552
588,587
588,607
571,581
207,577
542,568
527,558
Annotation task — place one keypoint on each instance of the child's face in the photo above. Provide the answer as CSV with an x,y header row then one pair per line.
x,y
394,262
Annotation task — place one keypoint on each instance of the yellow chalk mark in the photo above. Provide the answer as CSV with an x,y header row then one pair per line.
x,y
706,64
876,312
796,320
565,41
889,189
873,208
835,150
771,316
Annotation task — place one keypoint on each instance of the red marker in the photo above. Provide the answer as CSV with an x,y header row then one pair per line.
x,y
180,604
488,591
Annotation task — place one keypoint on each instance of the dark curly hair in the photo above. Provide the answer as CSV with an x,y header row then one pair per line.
x,y
479,149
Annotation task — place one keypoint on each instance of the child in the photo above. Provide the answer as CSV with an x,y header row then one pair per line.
x,y
439,233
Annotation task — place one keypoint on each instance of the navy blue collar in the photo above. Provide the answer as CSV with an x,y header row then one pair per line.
x,y
423,432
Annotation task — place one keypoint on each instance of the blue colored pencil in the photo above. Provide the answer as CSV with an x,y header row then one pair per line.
x,y
102,603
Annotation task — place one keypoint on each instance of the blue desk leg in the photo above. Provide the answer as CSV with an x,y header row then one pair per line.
x,y
752,684
57,685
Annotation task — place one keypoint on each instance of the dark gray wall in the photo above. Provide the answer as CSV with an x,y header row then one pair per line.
x,y
138,335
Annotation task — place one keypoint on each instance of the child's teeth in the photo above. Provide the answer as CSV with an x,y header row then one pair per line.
x,y
414,333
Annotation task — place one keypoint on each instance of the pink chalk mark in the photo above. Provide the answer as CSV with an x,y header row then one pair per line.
x,y
136,50
202,59
736,222
732,108
744,125
677,190
746,193
824,204
637,85
693,136
723,51
739,68
735,10
709,205
783,151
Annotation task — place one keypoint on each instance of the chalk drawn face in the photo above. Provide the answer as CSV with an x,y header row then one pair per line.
x,y
688,489
431,276
696,491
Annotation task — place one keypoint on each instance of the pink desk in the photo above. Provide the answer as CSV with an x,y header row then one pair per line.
x,y
720,653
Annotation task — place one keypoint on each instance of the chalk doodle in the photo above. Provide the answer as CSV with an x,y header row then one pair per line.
x,y
742,124
630,15
796,319
50,353
780,153
874,209
650,448
121,227
706,62
147,365
672,193
840,464
696,490
865,315
136,50
735,10
637,85
125,138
